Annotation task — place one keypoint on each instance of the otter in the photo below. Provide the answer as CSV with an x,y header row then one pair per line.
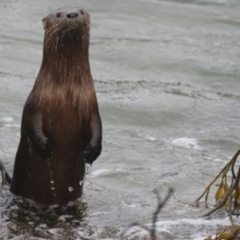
x,y
61,127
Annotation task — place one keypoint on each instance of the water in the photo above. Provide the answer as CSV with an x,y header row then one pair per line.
x,y
167,79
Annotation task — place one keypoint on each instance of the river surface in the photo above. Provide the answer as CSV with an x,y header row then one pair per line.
x,y
167,78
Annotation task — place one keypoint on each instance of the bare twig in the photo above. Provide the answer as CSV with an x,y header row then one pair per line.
x,y
152,230
160,206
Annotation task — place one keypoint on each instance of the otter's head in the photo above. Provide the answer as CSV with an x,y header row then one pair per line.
x,y
66,29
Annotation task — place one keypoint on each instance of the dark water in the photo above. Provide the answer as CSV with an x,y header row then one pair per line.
x,y
167,79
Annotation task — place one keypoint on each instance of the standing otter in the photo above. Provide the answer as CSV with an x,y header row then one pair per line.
x,y
61,127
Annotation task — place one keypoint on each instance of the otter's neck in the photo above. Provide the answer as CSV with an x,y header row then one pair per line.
x,y
66,63
64,76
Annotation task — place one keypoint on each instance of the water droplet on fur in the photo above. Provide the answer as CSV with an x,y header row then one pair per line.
x,y
81,183
87,168
70,189
52,188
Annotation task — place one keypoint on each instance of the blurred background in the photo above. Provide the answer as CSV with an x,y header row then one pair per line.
x,y
167,79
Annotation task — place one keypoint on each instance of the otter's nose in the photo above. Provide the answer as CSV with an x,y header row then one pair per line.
x,y
72,15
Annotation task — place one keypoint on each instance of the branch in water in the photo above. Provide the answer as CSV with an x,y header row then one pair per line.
x,y
161,204
152,230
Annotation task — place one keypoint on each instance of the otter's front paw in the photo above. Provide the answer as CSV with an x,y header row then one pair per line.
x,y
44,148
91,153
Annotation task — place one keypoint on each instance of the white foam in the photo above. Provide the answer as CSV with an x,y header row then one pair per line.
x,y
184,142
201,238
99,172
12,125
151,139
195,226
195,222
6,119
219,160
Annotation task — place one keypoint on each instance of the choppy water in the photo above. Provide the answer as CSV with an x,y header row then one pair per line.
x,y
167,79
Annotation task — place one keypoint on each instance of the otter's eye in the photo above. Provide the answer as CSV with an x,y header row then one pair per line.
x,y
58,15
82,12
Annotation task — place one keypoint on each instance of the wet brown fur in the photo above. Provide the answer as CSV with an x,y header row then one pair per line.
x,y
61,125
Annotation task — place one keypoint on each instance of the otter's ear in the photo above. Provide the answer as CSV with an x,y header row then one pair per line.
x,y
44,22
